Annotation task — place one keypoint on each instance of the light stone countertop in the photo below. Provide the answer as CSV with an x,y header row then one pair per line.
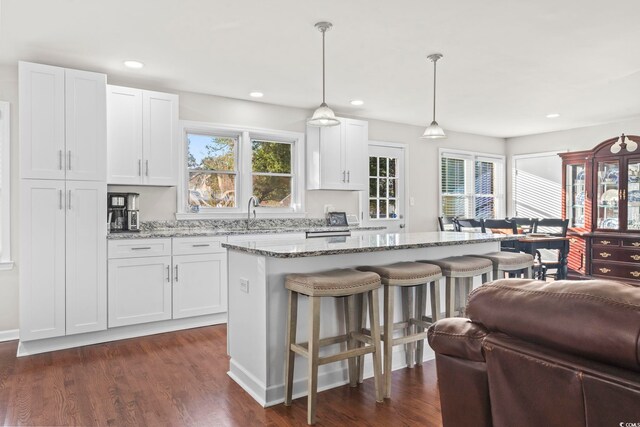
x,y
372,242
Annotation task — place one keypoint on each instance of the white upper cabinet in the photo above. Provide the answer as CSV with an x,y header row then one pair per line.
x,y
337,156
62,123
141,137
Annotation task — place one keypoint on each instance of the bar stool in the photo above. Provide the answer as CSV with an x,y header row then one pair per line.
x,y
509,262
459,271
335,283
413,279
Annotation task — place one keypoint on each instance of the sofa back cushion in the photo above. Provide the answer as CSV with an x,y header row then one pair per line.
x,y
596,319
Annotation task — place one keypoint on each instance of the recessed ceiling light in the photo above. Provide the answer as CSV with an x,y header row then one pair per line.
x,y
357,102
256,94
553,116
133,64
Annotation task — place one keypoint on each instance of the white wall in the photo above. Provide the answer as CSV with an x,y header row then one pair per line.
x,y
567,140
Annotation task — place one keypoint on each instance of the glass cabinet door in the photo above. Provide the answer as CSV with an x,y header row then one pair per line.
x,y
575,195
608,195
632,194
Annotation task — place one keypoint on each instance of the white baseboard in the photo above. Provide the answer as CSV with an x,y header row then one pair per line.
x,y
10,335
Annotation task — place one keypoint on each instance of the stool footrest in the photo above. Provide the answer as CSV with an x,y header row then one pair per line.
x,y
410,338
421,323
356,352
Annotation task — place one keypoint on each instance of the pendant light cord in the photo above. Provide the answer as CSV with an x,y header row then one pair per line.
x,y
434,90
323,82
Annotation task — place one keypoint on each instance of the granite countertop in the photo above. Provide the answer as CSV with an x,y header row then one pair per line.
x,y
206,231
372,242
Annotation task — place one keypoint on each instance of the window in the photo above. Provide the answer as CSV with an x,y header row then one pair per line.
x,y
226,165
383,186
471,185
5,187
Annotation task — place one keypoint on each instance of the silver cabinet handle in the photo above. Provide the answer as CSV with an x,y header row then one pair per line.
x,y
60,159
69,201
201,245
348,176
60,199
168,273
139,167
344,176
69,160
147,167
176,272
141,248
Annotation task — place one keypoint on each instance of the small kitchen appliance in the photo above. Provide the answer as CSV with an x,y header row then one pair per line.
x,y
123,212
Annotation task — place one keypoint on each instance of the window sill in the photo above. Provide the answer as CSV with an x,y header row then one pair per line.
x,y
229,215
6,265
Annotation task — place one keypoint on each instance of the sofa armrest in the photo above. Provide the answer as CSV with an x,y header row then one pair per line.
x,y
458,337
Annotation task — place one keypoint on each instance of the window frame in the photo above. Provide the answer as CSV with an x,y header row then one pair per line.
x,y
292,175
5,186
244,172
470,158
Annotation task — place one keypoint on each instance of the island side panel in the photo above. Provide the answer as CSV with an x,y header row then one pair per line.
x,y
246,327
332,316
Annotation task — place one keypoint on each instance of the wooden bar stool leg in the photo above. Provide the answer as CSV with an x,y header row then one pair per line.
x,y
435,301
389,294
485,278
407,308
496,274
421,311
374,318
450,302
528,274
363,324
314,347
350,321
290,356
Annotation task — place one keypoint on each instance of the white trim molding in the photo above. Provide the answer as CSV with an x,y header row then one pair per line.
x,y
5,186
10,335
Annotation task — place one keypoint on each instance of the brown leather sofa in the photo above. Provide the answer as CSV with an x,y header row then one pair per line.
x,y
565,353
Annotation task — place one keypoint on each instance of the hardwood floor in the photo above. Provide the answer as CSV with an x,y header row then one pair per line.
x,y
180,379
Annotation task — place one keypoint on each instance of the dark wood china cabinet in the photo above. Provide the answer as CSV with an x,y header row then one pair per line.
x,y
601,199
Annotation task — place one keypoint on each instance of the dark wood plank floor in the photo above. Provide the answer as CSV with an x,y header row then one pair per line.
x,y
180,379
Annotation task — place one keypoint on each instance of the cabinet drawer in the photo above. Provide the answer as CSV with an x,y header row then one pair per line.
x,y
198,245
631,243
623,271
606,241
617,254
132,248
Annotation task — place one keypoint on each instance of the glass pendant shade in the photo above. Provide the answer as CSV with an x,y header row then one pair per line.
x,y
433,131
323,116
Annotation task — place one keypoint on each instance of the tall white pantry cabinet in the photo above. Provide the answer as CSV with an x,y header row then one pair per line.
x,y
63,286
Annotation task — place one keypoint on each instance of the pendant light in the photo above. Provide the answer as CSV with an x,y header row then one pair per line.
x,y
323,116
434,130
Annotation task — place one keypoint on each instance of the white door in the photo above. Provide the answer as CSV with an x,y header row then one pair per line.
x,y
139,290
383,203
532,175
41,116
124,135
86,250
199,284
333,175
86,125
356,135
42,259
160,119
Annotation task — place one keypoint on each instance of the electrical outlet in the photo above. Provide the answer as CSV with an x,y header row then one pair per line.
x,y
244,285
412,201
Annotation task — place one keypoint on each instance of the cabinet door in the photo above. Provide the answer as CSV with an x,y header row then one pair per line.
x,y
631,195
332,170
608,195
355,140
86,125
86,253
124,135
41,116
139,290
199,284
42,259
160,120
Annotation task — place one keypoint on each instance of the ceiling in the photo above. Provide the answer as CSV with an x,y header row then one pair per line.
x,y
507,64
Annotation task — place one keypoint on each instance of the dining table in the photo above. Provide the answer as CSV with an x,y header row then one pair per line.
x,y
531,244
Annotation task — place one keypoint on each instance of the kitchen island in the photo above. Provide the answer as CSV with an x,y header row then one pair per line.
x,y
258,299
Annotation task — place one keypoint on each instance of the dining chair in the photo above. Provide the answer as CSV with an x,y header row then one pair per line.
x,y
447,223
527,225
468,224
549,259
501,226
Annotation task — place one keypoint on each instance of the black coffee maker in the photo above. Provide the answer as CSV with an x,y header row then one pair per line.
x,y
123,212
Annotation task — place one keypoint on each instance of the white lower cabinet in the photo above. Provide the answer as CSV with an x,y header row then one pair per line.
x,y
160,279
139,290
199,284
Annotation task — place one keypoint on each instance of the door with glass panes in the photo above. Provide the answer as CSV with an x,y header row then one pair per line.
x,y
383,202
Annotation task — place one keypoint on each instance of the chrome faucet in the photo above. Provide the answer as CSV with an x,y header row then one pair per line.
x,y
252,200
